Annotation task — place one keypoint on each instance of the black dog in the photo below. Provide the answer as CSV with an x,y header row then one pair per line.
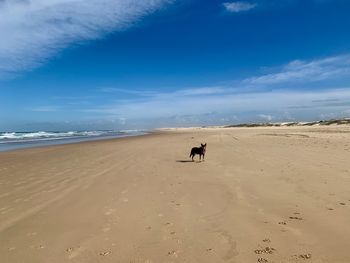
x,y
198,150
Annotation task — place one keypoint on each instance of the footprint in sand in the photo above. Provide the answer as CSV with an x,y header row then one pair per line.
x,y
177,204
262,260
266,240
74,251
282,223
173,253
302,256
295,218
342,203
305,256
38,247
266,250
105,253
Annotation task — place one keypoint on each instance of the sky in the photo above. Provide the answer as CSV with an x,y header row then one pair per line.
x,y
140,64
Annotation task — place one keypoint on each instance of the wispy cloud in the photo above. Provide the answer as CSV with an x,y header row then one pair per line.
x,y
202,91
250,99
181,108
141,93
306,71
33,31
45,109
183,92
236,7
256,98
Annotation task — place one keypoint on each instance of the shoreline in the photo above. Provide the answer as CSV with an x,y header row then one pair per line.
x,y
274,194
27,144
6,146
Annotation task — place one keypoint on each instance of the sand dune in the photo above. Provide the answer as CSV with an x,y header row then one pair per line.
x,y
275,194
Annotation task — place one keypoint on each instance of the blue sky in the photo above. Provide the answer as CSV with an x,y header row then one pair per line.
x,y
125,64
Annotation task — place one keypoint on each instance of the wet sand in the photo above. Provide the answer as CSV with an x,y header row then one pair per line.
x,y
262,195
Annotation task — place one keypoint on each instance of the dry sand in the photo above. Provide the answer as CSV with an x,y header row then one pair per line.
x,y
262,195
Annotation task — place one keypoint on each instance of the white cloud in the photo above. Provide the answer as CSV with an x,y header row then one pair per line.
x,y
141,93
184,92
265,117
255,96
188,108
306,71
249,100
236,7
201,91
45,109
32,31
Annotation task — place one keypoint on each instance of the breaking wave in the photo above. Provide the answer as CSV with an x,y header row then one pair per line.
x,y
8,137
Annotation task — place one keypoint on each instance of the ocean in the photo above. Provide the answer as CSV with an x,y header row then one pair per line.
x,y
18,140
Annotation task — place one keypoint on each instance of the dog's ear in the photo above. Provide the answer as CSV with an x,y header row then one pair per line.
x,y
202,145
205,144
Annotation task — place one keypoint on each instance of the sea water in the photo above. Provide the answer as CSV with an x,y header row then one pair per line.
x,y
17,140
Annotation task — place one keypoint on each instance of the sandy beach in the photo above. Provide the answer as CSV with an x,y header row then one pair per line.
x,y
262,195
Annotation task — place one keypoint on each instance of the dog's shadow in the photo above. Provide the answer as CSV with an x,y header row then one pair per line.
x,y
187,161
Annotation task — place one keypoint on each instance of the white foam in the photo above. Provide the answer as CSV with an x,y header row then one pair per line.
x,y
40,135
